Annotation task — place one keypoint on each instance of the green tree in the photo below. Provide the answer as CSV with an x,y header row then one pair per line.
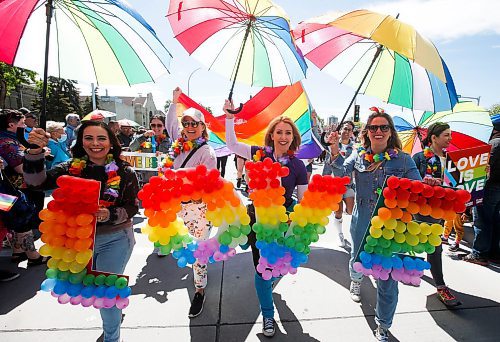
x,y
11,78
495,109
62,98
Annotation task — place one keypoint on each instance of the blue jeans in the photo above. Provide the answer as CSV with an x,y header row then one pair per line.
x,y
111,254
264,290
487,223
387,290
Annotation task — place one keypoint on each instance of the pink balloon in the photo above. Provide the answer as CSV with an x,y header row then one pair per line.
x,y
64,298
86,302
292,270
261,268
267,275
76,300
109,302
384,275
99,303
358,267
122,303
276,272
53,294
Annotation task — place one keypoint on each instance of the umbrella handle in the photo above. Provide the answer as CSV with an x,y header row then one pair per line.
x,y
237,110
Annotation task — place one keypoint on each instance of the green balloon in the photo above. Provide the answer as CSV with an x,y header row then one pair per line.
x,y
111,280
299,246
283,228
165,250
77,278
121,283
387,252
63,275
420,248
320,229
429,249
157,244
234,231
267,232
384,242
297,230
225,238
314,237
51,273
371,241
290,242
378,250
89,279
187,239
307,250
257,227
176,239
281,241
245,229
269,239
368,249
395,247
100,279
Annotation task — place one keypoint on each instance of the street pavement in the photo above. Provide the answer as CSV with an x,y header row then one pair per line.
x,y
313,305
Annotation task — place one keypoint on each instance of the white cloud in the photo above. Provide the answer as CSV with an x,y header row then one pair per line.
x,y
446,20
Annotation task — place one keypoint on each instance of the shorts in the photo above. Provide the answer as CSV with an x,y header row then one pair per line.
x,y
349,193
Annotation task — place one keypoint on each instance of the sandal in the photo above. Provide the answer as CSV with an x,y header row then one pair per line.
x,y
38,261
18,257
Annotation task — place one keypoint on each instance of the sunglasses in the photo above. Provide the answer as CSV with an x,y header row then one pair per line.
x,y
193,124
374,128
156,125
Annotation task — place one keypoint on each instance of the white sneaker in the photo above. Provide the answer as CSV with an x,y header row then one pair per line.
x,y
355,291
341,240
381,334
268,327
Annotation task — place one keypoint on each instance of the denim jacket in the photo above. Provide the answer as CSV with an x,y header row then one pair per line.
x,y
332,168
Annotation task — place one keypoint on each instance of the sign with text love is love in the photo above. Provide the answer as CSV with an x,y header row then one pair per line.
x,y
143,161
466,169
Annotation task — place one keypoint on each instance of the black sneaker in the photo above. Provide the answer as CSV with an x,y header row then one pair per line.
x,y
475,259
196,305
238,182
268,327
8,276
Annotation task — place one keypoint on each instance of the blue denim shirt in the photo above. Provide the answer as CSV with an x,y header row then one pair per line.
x,y
332,168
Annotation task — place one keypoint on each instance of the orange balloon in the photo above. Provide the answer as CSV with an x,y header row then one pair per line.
x,y
407,217
390,203
84,232
59,229
384,214
396,213
425,210
449,215
403,203
413,208
149,212
71,232
437,213
69,243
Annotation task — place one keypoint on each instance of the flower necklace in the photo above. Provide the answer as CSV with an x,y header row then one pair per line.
x,y
432,163
112,183
159,140
266,151
179,146
371,158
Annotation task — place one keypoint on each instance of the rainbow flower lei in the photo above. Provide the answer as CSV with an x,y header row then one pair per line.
x,y
111,168
179,146
159,139
432,163
371,158
266,151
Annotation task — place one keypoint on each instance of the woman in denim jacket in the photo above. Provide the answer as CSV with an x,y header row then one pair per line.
x,y
380,156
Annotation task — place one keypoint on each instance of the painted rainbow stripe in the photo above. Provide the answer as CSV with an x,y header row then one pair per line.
x,y
7,202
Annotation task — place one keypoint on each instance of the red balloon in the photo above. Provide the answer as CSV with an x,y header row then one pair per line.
x,y
389,193
449,194
402,194
459,207
439,191
416,187
428,191
404,183
463,195
393,182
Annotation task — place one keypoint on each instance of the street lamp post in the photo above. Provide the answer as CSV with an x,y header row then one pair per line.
x,y
470,98
189,78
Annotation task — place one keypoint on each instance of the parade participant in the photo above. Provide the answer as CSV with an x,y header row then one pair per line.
x,y
190,149
30,120
144,142
126,135
114,126
430,163
99,150
486,245
379,156
282,141
346,146
11,150
57,144
72,122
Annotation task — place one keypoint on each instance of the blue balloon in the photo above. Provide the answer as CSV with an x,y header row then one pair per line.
x,y
367,265
191,259
409,263
295,263
74,290
386,263
211,260
259,244
272,259
125,292
364,256
88,291
111,292
177,254
397,263
48,284
192,246
100,291
224,249
376,259
182,262
60,287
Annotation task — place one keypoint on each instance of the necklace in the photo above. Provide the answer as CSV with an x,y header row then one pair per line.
x,y
113,180
267,151
371,158
179,146
158,140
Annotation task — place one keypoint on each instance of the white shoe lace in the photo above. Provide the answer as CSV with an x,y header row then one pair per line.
x,y
355,288
269,324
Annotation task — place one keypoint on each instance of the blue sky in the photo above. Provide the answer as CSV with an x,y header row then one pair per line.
x,y
466,34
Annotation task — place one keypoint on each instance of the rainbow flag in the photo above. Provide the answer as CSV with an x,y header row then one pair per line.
x,y
251,123
7,201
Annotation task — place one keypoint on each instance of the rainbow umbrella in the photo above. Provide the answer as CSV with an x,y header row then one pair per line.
x,y
379,56
251,124
470,126
101,41
248,41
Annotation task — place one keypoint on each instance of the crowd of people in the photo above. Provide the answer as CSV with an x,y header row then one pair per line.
x,y
368,158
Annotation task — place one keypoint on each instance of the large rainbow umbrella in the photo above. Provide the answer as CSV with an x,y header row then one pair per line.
x,y
101,41
248,41
470,126
379,56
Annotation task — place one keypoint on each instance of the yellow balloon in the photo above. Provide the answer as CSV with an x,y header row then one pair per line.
x,y
63,265
84,257
390,224
400,227
434,240
45,250
375,232
412,240
57,252
413,228
53,263
437,229
425,229
76,267
377,222
293,216
283,217
388,234
399,237
245,219
422,238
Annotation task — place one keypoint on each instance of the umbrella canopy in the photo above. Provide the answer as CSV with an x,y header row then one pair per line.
x,y
224,34
470,126
127,122
104,41
98,114
381,55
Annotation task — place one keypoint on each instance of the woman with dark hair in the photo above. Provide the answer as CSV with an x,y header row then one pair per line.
x,y
282,140
11,150
100,150
379,156
153,140
430,163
